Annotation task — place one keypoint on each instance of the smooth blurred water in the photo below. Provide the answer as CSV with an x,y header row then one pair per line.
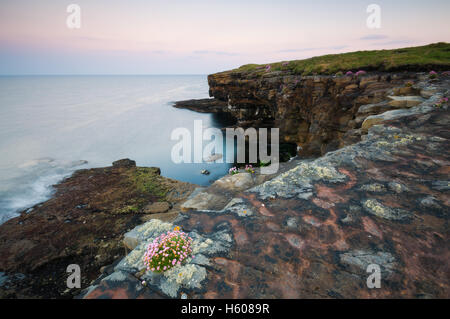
x,y
48,124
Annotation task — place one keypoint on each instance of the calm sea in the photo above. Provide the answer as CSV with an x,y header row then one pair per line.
x,y
50,125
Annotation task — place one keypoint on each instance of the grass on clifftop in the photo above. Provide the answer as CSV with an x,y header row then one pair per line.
x,y
423,58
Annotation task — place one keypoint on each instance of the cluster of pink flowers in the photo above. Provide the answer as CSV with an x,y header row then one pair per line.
x,y
233,171
249,169
442,102
268,67
446,73
349,73
167,251
433,74
360,72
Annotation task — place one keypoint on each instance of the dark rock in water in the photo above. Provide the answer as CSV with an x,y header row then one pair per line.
x,y
124,163
82,224
202,105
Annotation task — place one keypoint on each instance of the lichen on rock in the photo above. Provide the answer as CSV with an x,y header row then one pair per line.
x,y
297,182
188,275
374,207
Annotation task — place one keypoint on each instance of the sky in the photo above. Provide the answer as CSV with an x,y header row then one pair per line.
x,y
202,36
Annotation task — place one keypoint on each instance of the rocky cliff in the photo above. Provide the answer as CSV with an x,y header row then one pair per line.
x,y
317,113
321,113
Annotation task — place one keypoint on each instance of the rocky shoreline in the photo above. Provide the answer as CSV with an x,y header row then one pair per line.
x,y
83,223
378,195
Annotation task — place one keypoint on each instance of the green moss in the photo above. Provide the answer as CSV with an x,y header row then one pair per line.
x,y
148,181
127,210
417,58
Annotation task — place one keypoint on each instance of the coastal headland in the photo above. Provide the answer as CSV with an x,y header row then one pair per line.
x,y
374,190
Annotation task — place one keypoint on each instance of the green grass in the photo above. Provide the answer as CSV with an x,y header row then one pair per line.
x,y
424,58
147,181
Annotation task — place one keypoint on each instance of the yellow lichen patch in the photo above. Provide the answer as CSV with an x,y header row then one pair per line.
x,y
375,207
319,172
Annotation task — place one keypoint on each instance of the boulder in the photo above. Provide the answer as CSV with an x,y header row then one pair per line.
x,y
203,201
237,182
156,208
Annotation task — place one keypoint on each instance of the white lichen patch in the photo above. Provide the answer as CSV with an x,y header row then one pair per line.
x,y
219,242
117,276
145,232
134,261
199,245
188,276
361,259
153,228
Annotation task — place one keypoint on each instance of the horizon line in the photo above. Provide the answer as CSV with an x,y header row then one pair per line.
x,y
106,74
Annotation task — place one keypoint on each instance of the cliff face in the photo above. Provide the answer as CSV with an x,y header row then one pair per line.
x,y
318,113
